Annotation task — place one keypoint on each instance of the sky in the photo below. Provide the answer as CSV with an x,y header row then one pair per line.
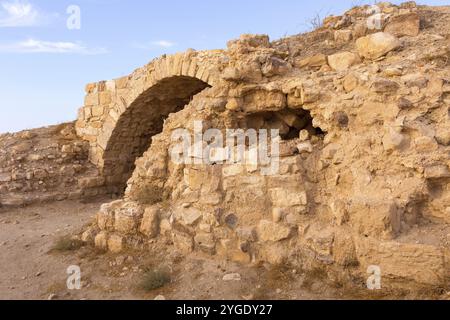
x,y
49,50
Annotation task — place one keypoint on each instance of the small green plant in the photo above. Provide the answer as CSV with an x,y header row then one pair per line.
x,y
65,244
154,279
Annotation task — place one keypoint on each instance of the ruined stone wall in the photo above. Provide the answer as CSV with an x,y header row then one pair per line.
x,y
363,111
48,164
365,180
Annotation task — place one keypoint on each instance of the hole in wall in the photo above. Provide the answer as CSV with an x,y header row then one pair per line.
x,y
289,122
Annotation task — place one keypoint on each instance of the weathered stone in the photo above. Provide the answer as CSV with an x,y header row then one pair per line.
x,y
437,172
127,218
404,25
404,103
260,101
376,45
394,140
385,86
183,242
443,136
190,216
115,243
422,264
288,197
305,147
232,277
101,240
315,61
275,67
350,82
150,222
376,219
270,231
343,36
88,236
246,234
233,104
206,242
343,60
340,212
426,144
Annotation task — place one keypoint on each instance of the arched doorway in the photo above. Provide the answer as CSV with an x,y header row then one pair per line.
x,y
143,119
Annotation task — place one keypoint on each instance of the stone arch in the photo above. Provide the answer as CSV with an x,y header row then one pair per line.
x,y
144,118
120,116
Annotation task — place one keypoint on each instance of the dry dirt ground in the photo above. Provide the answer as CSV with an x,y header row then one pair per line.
x,y
31,269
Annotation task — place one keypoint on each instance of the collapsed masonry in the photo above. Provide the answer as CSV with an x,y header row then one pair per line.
x,y
363,174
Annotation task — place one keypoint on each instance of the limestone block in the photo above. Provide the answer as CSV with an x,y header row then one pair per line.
x,y
205,242
350,82
101,240
275,67
105,219
385,86
150,222
97,111
288,197
116,243
315,61
443,136
404,25
261,100
340,212
394,140
183,242
233,104
343,60
105,98
127,218
273,232
378,219
344,251
309,93
376,45
91,99
246,234
343,36
426,144
423,264
190,216
437,172
305,147
233,170
88,236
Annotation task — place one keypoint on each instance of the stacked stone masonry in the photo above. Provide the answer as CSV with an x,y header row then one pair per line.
x,y
364,171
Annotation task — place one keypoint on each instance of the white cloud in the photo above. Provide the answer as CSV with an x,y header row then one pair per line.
x,y
153,44
38,46
163,43
21,13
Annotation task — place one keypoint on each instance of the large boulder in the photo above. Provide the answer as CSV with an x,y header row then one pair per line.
x,y
404,25
343,60
376,45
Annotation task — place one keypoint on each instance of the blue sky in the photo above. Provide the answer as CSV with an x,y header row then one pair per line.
x,y
44,65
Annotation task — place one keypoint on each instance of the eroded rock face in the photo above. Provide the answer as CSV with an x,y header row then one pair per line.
x,y
363,167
